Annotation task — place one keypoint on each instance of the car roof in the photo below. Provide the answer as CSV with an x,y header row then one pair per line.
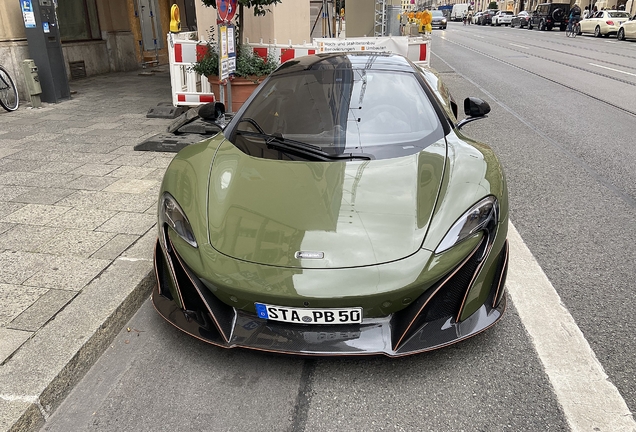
x,y
353,60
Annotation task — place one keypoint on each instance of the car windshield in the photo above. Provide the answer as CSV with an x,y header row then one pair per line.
x,y
618,15
342,109
437,13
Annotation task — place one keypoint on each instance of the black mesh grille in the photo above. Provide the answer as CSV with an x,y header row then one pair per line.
x,y
449,299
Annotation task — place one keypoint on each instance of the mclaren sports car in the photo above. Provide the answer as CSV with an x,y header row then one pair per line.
x,y
339,211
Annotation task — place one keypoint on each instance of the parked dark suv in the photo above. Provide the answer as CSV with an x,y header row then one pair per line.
x,y
549,15
486,17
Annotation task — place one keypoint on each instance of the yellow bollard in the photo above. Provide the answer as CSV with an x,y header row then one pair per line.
x,y
175,19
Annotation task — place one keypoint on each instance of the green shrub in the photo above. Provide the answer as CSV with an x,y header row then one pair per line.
x,y
248,63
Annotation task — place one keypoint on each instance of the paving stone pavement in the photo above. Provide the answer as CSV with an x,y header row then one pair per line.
x,y
77,230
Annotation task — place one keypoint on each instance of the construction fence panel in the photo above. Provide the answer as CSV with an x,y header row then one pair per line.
x,y
188,87
191,89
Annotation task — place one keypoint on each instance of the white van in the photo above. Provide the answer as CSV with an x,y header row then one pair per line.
x,y
459,11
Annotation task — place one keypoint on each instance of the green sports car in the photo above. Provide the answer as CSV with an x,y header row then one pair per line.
x,y
339,212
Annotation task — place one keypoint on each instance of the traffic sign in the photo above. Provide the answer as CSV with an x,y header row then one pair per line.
x,y
226,9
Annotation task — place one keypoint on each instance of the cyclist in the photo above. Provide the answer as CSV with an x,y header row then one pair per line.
x,y
575,16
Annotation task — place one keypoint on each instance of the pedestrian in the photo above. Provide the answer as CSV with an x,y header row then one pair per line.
x,y
586,12
469,18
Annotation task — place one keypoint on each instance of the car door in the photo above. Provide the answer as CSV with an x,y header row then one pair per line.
x,y
534,18
630,28
588,25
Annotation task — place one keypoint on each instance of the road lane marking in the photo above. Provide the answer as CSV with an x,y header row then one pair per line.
x,y
520,46
612,69
589,400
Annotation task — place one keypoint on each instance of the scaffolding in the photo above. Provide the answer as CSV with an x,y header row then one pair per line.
x,y
379,28
326,15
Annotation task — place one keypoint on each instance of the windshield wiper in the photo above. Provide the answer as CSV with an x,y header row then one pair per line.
x,y
302,149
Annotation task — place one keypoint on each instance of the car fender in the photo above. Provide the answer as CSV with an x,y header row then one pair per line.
x,y
186,179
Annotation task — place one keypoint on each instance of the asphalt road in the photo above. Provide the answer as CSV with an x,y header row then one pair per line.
x,y
563,130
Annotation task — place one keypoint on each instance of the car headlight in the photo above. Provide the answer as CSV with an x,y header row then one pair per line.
x,y
444,21
171,214
482,216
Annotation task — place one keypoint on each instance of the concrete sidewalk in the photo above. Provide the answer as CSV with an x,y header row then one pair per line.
x,y
77,230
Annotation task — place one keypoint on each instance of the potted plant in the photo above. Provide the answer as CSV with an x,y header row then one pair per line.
x,y
251,69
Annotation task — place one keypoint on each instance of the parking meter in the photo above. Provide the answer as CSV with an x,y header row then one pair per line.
x,y
45,48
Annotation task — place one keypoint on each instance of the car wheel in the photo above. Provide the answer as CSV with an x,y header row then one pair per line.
x,y
597,31
541,26
511,25
529,26
621,34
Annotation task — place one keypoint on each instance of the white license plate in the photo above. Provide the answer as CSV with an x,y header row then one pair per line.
x,y
309,316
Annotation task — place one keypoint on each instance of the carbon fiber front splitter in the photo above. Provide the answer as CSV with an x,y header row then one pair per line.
x,y
372,337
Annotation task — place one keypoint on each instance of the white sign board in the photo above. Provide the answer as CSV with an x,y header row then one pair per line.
x,y
395,44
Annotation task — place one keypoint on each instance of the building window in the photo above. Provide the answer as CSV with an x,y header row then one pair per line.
x,y
78,20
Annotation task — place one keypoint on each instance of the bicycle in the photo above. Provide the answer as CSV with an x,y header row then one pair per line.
x,y
573,29
8,91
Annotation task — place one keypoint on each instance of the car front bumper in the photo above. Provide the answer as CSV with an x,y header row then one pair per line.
x,y
428,323
438,24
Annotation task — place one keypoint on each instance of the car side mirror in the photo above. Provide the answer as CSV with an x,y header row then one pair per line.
x,y
211,111
475,109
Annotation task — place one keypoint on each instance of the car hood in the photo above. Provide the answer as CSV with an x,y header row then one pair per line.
x,y
322,214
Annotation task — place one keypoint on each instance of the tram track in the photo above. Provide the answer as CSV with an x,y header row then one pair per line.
x,y
576,159
563,63
568,44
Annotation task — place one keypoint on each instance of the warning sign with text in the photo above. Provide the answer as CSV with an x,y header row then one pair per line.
x,y
395,44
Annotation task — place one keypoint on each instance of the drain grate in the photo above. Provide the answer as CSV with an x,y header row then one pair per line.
x,y
78,69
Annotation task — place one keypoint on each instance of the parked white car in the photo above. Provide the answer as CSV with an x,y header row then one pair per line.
x,y
502,17
627,29
475,18
604,23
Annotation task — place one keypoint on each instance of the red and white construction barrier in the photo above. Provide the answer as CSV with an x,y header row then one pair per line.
x,y
191,89
188,88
